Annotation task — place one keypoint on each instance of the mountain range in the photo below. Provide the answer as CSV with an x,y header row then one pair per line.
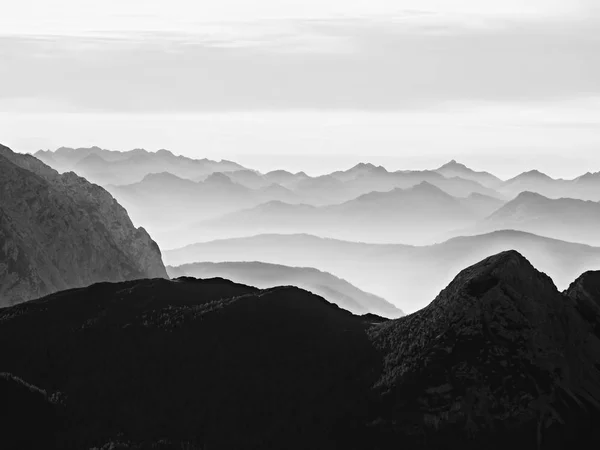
x,y
499,359
182,200
264,275
407,276
165,201
115,167
419,214
562,218
60,231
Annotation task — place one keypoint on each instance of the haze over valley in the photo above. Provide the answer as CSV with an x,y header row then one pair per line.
x,y
411,230
292,225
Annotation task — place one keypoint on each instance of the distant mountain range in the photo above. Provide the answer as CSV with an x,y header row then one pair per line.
x,y
564,218
165,201
420,214
263,275
456,169
407,276
585,187
499,359
182,200
114,167
60,231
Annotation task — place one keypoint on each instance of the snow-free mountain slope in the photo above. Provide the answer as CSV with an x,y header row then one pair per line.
x,y
60,231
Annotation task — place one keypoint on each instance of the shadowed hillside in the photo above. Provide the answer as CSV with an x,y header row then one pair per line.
x,y
500,359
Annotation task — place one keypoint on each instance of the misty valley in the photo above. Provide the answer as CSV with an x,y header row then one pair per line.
x,y
156,301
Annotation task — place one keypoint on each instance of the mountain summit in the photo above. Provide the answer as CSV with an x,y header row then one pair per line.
x,y
456,169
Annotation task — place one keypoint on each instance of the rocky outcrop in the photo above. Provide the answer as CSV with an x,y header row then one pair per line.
x,y
500,352
585,292
60,231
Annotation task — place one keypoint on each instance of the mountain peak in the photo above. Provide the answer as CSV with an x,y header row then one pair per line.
x,y
453,164
534,174
362,166
218,178
426,187
161,177
508,271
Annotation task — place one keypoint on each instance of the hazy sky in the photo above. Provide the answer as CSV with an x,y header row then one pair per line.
x,y
312,84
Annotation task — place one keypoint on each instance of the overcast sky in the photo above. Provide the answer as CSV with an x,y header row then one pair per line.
x,y
312,84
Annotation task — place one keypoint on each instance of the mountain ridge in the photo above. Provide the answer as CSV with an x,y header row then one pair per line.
x,y
60,231
264,275
499,359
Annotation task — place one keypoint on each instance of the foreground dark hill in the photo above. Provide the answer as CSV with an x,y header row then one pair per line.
x,y
208,363
407,276
500,359
264,275
60,231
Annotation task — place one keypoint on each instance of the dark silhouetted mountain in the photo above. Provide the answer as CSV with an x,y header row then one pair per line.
x,y
59,231
209,363
500,353
417,214
585,292
264,275
500,359
107,167
407,276
564,218
30,419
455,169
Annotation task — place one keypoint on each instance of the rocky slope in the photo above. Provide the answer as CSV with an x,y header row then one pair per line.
x,y
60,231
500,359
500,356
585,292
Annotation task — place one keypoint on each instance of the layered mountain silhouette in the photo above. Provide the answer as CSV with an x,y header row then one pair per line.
x,y
264,275
500,359
165,201
407,276
420,214
563,218
456,169
114,167
585,187
60,231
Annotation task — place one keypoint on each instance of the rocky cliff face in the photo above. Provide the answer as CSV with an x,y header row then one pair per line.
x,y
60,231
